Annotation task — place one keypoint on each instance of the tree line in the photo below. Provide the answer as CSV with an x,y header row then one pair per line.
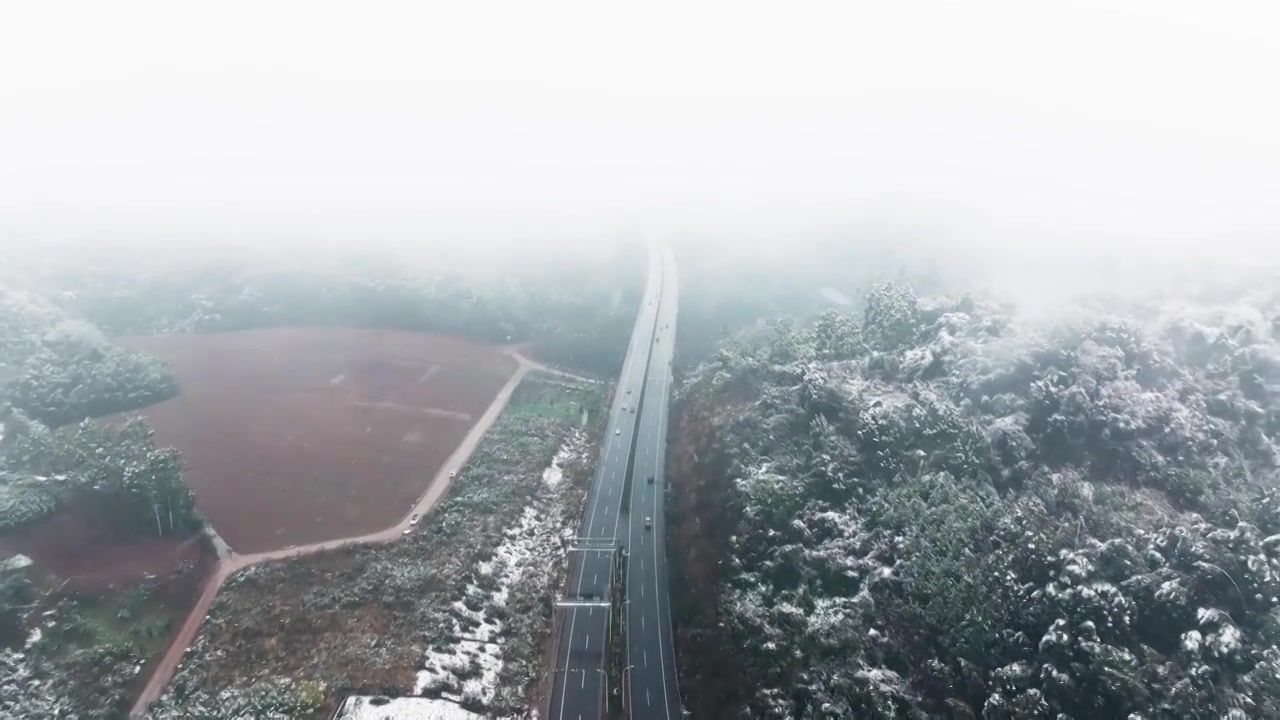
x,y
578,315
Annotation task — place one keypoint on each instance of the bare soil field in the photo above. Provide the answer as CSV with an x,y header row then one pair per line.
x,y
78,549
298,435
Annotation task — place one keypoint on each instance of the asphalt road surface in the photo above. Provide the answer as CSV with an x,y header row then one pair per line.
x,y
578,691
651,691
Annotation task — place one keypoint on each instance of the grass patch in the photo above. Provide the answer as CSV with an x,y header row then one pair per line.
x,y
539,396
135,619
88,652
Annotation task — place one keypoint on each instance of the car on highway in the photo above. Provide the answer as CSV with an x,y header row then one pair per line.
x,y
414,518
617,431
648,523
453,473
624,406
650,480
633,411
407,531
628,391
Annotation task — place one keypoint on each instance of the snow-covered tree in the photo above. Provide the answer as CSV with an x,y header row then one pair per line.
x,y
948,510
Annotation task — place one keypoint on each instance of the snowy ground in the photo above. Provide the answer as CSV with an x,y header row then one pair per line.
x,y
407,708
555,472
465,669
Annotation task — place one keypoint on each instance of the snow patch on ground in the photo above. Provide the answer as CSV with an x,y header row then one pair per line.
x,y
464,667
552,476
468,668
405,708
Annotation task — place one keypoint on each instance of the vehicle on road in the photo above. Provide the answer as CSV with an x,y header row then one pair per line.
x,y
624,406
633,411
453,473
407,531
650,480
628,391
617,431
414,518
648,523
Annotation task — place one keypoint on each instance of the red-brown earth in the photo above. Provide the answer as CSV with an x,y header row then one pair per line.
x,y
297,435
78,549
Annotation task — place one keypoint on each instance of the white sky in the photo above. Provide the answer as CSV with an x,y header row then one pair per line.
x,y
1107,123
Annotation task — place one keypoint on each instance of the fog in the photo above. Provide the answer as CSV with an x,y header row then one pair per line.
x,y
992,131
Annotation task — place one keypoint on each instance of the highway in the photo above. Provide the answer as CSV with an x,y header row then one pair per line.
x,y
579,675
651,689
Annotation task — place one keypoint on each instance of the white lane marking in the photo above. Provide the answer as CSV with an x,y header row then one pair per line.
x,y
646,658
573,617
584,677
564,684
657,454
647,702
642,625
631,518
595,579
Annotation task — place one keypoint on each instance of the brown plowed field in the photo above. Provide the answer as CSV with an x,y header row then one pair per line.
x,y
298,435
77,549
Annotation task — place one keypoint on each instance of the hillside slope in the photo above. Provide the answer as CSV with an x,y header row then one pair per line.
x,y
941,509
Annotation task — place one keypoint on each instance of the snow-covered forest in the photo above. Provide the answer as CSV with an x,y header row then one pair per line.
x,y
941,507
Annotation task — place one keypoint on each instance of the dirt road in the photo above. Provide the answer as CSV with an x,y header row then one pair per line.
x,y
232,561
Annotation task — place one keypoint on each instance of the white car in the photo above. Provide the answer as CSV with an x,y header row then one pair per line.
x,y
648,523
414,518
617,431
453,473
407,531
